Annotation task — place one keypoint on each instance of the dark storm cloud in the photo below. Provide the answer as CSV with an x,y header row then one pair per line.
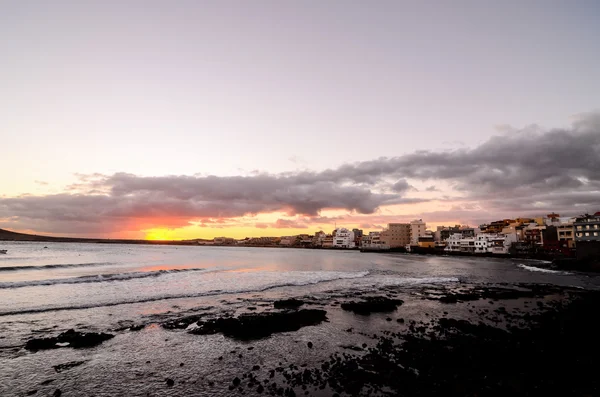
x,y
520,171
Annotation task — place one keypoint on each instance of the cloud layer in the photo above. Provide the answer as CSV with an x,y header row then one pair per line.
x,y
527,171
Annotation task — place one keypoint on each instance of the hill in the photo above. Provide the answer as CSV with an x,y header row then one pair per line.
x,y
7,235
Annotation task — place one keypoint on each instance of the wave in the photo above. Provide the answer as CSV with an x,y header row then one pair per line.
x,y
330,277
539,269
99,278
57,266
420,280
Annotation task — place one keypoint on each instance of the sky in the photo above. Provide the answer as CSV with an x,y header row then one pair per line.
x,y
195,119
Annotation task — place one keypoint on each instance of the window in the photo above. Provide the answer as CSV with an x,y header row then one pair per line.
x,y
579,227
587,234
595,234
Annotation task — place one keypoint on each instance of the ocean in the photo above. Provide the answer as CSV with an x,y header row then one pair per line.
x,y
47,288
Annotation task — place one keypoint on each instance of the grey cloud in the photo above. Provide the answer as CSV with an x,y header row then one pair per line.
x,y
401,186
521,170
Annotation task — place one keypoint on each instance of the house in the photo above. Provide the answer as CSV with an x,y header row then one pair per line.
x,y
327,241
224,241
587,228
344,238
426,241
288,240
481,244
396,235
417,229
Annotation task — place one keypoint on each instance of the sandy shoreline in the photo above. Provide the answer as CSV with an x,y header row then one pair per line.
x,y
458,339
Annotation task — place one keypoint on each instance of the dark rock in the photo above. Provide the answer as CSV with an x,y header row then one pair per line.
x,y
137,327
288,304
260,389
170,382
181,364
70,338
47,382
256,368
260,325
66,366
351,347
57,393
310,345
31,392
182,323
236,381
372,305
388,319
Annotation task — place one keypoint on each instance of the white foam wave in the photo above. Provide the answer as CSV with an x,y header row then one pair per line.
x,y
302,279
421,280
541,270
99,278
53,266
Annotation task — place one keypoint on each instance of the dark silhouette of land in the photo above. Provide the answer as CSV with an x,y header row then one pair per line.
x,y
7,235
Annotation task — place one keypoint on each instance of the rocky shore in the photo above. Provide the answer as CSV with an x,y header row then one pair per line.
x,y
461,339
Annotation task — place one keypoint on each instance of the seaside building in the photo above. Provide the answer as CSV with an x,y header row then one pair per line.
x,y
288,240
532,234
444,232
417,229
481,244
344,238
396,235
327,241
224,241
566,235
453,243
496,226
317,241
427,241
494,243
587,227
373,241
358,234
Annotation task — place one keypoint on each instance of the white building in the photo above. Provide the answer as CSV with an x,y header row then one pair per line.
x,y
417,229
344,238
481,244
453,242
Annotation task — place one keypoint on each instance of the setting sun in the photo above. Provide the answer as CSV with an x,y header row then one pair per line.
x,y
160,234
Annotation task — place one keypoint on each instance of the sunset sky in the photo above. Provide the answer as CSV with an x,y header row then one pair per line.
x,y
195,119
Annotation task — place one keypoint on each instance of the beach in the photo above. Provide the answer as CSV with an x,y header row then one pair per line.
x,y
229,321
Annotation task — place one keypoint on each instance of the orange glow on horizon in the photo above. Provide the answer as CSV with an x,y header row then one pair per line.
x,y
161,235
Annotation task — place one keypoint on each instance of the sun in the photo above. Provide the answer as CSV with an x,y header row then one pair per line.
x,y
159,234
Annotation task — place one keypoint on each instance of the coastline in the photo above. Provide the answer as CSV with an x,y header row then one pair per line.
x,y
431,339
545,261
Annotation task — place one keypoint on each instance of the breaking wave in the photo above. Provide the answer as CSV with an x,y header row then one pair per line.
x,y
539,269
323,277
57,266
99,278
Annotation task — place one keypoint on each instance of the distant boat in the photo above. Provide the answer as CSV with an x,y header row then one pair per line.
x,y
3,251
